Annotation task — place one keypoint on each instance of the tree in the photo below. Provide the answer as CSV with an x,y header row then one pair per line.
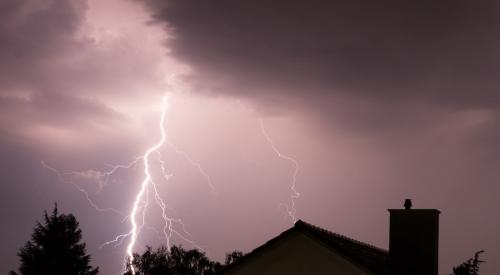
x,y
55,248
233,257
177,261
469,267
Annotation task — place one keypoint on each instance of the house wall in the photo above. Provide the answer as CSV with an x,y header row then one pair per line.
x,y
297,253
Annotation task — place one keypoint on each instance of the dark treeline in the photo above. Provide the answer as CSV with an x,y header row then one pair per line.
x,y
56,248
178,261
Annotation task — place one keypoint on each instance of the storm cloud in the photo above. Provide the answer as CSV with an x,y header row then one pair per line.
x,y
319,53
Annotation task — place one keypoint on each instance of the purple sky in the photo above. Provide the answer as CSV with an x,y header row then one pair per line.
x,y
377,103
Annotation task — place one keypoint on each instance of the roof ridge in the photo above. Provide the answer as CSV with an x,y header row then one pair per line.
x,y
342,237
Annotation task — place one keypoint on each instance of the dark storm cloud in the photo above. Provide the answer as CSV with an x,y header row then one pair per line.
x,y
442,52
31,33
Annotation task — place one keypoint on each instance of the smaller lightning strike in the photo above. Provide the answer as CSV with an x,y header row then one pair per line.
x,y
102,178
295,194
164,173
118,240
195,164
61,178
168,229
107,175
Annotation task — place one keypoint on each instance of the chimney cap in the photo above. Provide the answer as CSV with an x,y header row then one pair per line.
x,y
407,204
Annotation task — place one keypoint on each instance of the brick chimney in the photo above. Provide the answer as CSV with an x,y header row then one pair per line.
x,y
414,240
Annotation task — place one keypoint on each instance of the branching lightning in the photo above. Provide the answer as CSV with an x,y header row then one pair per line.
x,y
147,180
61,177
290,208
141,200
195,164
137,215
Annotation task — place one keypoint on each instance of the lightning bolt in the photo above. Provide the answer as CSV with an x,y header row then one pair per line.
x,y
137,214
147,180
290,208
141,200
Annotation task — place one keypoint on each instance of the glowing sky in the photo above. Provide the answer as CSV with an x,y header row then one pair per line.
x,y
377,102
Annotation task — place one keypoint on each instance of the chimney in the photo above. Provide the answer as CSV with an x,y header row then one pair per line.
x,y
414,240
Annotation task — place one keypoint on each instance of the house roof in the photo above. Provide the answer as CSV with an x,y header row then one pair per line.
x,y
368,256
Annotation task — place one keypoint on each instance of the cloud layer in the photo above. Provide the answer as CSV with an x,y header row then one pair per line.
x,y
317,53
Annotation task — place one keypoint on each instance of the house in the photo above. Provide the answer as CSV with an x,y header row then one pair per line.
x,y
308,249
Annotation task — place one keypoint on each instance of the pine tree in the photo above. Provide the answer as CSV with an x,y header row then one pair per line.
x,y
55,248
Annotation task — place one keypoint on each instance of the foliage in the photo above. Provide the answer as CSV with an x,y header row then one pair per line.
x,y
55,248
469,267
177,261
233,257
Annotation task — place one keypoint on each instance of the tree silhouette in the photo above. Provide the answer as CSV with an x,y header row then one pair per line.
x,y
233,257
55,248
177,261
469,267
